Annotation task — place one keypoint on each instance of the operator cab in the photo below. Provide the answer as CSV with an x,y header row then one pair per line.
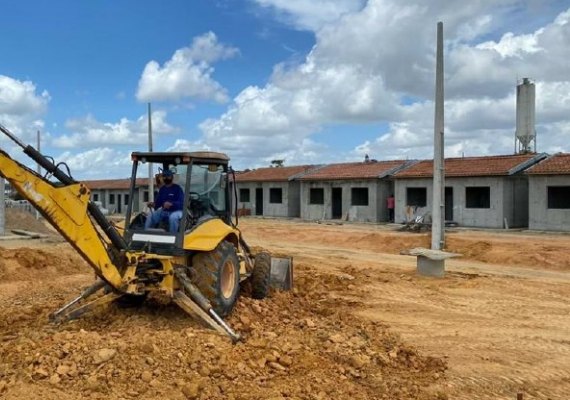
x,y
204,179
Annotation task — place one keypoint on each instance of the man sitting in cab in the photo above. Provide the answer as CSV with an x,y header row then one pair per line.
x,y
168,204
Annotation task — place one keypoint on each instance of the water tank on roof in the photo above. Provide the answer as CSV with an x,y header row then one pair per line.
x,y
525,135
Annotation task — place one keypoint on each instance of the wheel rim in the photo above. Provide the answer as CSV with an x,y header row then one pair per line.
x,y
228,282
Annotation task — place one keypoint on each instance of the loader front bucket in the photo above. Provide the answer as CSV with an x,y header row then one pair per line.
x,y
281,276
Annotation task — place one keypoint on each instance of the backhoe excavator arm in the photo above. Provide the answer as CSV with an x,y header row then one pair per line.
x,y
68,209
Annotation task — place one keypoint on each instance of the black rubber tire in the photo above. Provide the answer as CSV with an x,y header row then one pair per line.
x,y
131,300
208,270
260,276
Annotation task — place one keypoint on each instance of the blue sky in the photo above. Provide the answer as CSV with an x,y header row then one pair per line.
x,y
309,82
89,55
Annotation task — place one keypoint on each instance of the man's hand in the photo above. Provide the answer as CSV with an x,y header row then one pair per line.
x,y
150,204
167,205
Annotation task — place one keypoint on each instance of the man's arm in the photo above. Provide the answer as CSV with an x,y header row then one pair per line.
x,y
159,201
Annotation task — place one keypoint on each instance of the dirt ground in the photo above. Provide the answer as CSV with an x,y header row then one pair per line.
x,y
360,324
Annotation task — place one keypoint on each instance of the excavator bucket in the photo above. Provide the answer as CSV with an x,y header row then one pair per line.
x,y
281,273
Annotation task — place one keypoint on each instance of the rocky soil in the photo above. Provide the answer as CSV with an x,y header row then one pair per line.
x,y
304,344
360,324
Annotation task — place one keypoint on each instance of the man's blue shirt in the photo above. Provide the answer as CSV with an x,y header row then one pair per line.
x,y
173,194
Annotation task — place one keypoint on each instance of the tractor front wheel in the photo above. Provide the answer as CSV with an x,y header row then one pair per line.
x,y
216,274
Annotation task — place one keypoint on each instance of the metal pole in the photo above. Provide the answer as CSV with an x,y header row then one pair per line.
x,y
150,174
2,207
39,168
438,205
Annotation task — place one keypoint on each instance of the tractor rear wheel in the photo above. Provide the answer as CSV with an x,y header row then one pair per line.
x,y
216,274
260,276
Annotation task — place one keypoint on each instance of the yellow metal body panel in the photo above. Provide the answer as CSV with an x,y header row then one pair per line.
x,y
209,234
66,209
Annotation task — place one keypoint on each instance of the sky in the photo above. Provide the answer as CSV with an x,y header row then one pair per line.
x,y
309,82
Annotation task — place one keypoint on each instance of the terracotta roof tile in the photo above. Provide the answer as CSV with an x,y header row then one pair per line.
x,y
355,170
276,174
557,164
468,166
114,184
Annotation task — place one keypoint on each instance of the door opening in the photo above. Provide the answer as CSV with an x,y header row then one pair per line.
x,y
336,203
259,201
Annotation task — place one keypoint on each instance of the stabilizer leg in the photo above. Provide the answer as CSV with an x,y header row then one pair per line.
x,y
77,312
192,308
71,310
99,284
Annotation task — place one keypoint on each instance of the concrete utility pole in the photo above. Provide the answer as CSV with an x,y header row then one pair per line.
x,y
438,204
150,174
431,262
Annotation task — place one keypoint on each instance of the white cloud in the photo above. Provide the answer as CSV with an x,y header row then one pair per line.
x,y
188,145
21,107
98,163
188,74
20,97
306,151
310,15
207,48
511,45
490,68
87,131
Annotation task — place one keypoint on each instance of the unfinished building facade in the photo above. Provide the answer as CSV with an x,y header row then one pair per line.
x,y
489,192
348,191
271,192
549,194
113,194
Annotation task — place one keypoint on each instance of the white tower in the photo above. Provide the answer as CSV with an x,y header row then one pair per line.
x,y
525,135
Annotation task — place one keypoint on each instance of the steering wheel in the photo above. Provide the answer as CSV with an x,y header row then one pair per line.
x,y
195,196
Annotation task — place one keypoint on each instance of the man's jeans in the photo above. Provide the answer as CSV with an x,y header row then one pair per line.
x,y
158,215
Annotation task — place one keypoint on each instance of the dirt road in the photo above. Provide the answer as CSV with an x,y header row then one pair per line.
x,y
501,317
359,325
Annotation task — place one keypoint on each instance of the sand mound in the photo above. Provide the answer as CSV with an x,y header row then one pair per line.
x,y
29,264
16,219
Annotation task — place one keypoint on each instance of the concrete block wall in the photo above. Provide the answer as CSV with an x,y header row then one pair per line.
x,y
491,217
287,208
367,213
138,205
476,217
400,193
540,216
276,209
251,203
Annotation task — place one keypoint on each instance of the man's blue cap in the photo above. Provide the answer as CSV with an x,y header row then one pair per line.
x,y
167,172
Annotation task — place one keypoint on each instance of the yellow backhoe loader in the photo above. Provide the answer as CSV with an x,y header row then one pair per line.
x,y
200,267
